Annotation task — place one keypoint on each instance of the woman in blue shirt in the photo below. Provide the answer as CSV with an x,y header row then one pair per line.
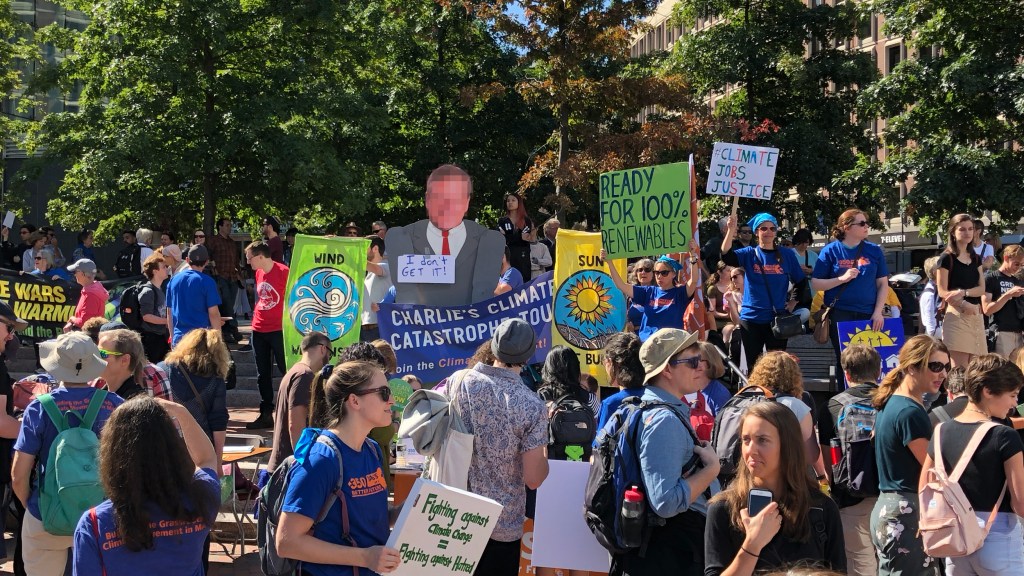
x,y
851,261
664,303
642,275
768,272
902,431
164,494
357,400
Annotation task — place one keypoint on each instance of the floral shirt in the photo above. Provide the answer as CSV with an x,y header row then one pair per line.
x,y
507,420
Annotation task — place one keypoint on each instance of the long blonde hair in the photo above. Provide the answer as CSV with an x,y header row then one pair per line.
x,y
796,485
201,352
914,354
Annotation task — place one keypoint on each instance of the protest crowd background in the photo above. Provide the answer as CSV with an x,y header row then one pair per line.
x,y
560,409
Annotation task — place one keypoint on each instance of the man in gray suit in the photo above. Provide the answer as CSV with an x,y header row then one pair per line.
x,y
477,250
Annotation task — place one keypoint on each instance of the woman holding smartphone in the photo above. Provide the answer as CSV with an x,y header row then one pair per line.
x,y
773,514
902,431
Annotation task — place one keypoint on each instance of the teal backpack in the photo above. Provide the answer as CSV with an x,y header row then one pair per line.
x,y
71,482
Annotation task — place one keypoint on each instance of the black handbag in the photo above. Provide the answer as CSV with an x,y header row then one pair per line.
x,y
784,325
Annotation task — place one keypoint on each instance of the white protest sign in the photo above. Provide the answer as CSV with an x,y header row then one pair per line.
x,y
442,530
426,269
742,171
8,219
561,538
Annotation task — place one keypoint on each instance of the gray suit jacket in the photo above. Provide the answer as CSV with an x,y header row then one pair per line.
x,y
477,266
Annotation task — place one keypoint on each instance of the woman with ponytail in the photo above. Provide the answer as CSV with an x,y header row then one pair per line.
x,y
902,431
960,283
356,399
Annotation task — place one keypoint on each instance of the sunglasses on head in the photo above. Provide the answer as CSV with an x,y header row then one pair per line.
x,y
662,272
937,367
383,391
107,353
692,362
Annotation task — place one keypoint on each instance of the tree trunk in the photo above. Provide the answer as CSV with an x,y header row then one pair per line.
x,y
563,148
210,108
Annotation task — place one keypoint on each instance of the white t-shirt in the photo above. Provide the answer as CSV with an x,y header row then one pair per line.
x,y
374,289
985,250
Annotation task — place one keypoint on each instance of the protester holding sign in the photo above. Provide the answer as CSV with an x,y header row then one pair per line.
x,y
961,285
358,399
768,272
852,273
663,304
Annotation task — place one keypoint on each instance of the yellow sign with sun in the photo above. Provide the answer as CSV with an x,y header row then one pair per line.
x,y
869,337
589,300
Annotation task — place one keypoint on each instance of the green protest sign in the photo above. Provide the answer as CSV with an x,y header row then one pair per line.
x,y
646,211
324,291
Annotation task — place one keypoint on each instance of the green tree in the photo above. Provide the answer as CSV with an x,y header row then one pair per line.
x,y
16,51
955,110
195,107
780,64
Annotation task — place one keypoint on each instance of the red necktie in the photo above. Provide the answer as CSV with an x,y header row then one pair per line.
x,y
445,251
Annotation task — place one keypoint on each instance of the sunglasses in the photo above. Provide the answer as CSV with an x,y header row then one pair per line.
x,y
692,362
383,391
767,229
107,353
37,258
937,367
200,236
644,270
662,273
862,223
376,231
745,232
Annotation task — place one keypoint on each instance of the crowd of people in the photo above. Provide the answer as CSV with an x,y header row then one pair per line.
x,y
154,397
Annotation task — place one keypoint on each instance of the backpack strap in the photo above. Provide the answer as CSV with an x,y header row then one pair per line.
x,y
56,416
965,458
96,534
337,494
750,387
94,409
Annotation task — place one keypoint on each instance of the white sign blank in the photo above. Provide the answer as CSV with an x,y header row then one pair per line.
x,y
561,538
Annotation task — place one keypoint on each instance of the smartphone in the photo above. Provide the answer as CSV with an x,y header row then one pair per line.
x,y
757,500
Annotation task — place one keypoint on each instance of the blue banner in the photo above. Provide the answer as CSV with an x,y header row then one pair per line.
x,y
434,341
887,341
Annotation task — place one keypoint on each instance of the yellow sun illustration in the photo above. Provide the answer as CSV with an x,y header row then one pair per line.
x,y
589,301
870,337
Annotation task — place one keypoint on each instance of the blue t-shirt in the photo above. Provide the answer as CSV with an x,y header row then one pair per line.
x,y
365,490
635,315
756,305
662,308
190,295
836,258
716,395
513,277
897,424
38,431
177,544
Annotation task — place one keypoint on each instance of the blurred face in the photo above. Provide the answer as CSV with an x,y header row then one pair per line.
x,y
511,203
447,202
552,230
644,272
255,260
736,279
858,229
372,405
687,371
760,447
39,243
24,233
128,238
87,241
165,240
117,364
81,278
979,231
745,233
199,237
41,263
766,233
6,334
964,232
225,228
1013,265
931,377
160,273
351,233
999,405
664,275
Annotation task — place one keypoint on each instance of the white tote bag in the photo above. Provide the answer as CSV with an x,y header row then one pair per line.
x,y
450,466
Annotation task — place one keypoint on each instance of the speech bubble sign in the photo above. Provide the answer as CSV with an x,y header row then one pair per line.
x,y
742,171
426,269
645,211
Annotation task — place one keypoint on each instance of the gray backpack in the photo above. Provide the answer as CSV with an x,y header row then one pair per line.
x,y
725,436
272,498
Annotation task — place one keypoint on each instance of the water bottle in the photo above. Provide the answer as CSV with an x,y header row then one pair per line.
x,y
836,451
632,519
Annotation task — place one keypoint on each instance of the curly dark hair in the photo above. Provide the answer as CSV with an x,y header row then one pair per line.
x,y
623,352
561,376
143,461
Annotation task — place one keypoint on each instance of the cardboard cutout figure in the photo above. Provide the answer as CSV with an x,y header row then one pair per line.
x,y
477,251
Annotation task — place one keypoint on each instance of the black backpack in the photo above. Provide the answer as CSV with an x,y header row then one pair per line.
x,y
571,430
725,436
129,307
128,261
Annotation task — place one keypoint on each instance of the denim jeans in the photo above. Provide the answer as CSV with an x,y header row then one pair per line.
x,y
269,348
1002,553
228,290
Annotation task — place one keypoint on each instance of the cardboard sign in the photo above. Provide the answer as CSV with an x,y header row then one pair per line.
x,y
426,269
561,538
743,171
442,530
8,219
646,211
887,342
